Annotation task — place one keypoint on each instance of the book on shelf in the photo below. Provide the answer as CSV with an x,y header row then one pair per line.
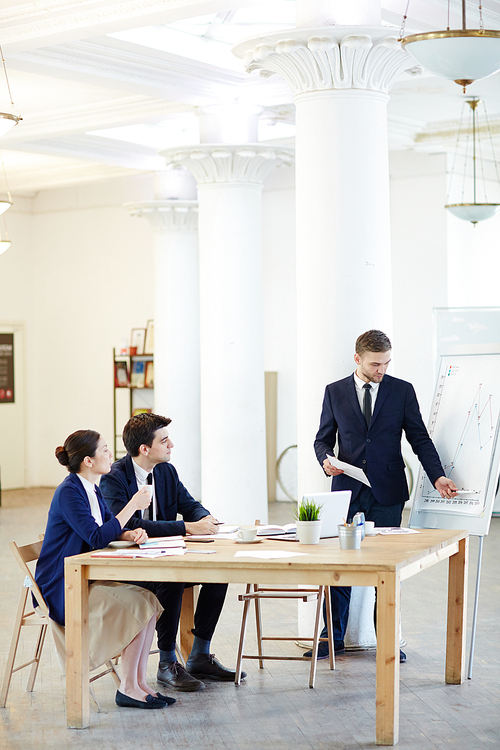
x,y
289,528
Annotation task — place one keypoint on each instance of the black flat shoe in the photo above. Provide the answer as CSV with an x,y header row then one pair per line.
x,y
166,699
125,702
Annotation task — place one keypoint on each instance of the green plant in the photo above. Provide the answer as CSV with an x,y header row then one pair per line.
x,y
308,511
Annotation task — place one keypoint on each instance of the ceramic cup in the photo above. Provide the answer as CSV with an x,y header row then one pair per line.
x,y
369,528
247,535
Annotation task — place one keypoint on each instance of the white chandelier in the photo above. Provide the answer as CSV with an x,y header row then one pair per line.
x,y
462,55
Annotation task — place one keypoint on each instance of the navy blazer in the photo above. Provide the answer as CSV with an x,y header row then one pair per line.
x,y
376,450
71,530
172,497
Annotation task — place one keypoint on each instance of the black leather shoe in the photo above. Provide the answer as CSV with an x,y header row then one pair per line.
x,y
324,651
166,699
125,702
402,657
174,675
206,667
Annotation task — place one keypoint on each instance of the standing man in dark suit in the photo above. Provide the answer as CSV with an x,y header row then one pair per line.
x,y
147,462
364,415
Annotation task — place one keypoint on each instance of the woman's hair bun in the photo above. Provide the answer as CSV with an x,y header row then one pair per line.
x,y
62,455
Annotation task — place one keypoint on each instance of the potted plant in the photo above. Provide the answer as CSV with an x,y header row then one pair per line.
x,y
308,520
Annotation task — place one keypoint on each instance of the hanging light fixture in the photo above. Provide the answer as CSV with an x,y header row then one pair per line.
x,y
475,211
8,119
463,55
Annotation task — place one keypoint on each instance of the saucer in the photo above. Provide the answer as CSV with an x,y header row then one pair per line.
x,y
121,544
244,541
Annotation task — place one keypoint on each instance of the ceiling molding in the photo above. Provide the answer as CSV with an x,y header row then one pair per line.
x,y
29,181
126,111
96,149
151,71
63,19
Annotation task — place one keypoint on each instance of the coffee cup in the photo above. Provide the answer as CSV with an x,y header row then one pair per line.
x,y
370,528
247,535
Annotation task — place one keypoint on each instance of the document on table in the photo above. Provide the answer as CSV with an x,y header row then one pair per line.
x,y
351,471
274,554
394,530
147,553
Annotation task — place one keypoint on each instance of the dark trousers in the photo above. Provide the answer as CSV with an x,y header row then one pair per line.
x,y
208,609
382,515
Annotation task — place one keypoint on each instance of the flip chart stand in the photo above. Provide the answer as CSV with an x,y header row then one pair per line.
x,y
476,601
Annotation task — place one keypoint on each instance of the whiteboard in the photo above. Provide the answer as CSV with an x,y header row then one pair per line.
x,y
464,426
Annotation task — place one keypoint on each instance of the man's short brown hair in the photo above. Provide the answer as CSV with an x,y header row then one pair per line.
x,y
373,341
141,429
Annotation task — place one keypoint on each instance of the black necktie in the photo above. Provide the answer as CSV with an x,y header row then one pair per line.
x,y
147,511
367,404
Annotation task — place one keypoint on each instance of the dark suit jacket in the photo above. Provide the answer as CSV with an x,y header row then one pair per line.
x,y
378,449
172,497
71,530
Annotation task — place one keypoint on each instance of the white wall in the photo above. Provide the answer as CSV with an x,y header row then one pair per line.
x,y
474,262
419,268
77,274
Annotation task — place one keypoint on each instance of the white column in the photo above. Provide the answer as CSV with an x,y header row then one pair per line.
x,y
233,454
177,329
340,77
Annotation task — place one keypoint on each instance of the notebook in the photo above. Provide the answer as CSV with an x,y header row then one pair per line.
x,y
334,511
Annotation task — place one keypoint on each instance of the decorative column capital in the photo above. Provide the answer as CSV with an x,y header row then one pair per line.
x,y
167,214
213,163
329,58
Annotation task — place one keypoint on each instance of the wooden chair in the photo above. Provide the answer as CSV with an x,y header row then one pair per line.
x,y
255,593
26,616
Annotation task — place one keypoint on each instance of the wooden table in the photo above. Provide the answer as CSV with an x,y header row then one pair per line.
x,y
383,561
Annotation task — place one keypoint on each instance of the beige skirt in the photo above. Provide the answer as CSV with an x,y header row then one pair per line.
x,y
117,613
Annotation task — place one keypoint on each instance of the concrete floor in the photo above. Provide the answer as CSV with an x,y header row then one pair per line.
x,y
274,708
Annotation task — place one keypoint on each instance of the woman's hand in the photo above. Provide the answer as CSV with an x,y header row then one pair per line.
x,y
142,499
138,536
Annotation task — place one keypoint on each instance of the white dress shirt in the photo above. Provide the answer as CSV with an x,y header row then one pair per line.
x,y
141,476
93,501
360,392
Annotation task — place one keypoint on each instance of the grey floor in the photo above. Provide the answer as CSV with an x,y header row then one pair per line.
x,y
274,708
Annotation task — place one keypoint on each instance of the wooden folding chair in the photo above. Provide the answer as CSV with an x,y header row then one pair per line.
x,y
255,593
26,616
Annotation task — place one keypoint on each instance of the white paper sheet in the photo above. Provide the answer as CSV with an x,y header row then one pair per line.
x,y
351,471
394,530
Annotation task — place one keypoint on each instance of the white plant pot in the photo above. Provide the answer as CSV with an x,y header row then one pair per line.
x,y
308,531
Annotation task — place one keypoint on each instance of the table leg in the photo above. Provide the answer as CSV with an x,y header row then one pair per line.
x,y
77,647
457,609
186,622
387,692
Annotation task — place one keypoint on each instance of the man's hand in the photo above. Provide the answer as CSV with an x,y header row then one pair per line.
x,y
446,487
331,470
207,525
138,536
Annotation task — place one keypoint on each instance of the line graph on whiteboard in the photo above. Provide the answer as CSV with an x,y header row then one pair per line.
x,y
463,427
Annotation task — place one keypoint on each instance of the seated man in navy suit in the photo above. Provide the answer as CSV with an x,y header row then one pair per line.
x,y
147,462
365,415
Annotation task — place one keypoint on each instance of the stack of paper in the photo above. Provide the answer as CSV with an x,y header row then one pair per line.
x,y
162,542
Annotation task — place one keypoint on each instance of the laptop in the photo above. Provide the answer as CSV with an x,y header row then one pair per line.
x,y
334,511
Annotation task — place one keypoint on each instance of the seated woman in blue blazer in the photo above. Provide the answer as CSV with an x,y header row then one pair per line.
x,y
122,617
